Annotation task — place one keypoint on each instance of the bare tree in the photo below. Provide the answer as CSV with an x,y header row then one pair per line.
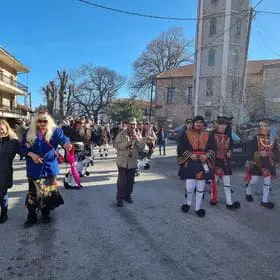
x,y
50,91
168,51
96,89
63,80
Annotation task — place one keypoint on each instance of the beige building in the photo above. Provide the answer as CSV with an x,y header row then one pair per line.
x,y
175,100
10,88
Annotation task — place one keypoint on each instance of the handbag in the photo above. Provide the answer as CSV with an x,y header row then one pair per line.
x,y
59,157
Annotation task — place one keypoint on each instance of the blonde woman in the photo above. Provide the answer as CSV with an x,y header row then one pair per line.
x,y
39,146
9,147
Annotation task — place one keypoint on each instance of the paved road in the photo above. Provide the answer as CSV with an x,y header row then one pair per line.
x,y
152,239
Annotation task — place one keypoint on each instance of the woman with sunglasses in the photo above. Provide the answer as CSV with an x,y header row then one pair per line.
x,y
9,147
39,145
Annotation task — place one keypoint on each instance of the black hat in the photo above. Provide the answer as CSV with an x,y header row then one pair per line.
x,y
189,120
198,118
224,119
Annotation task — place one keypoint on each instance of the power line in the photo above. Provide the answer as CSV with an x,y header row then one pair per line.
x,y
258,4
267,12
136,14
267,46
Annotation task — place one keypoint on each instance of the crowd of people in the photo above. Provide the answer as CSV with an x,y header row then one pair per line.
x,y
203,157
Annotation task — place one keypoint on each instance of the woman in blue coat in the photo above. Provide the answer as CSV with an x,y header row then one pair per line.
x,y
39,146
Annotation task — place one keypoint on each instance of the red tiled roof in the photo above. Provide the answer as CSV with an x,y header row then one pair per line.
x,y
254,67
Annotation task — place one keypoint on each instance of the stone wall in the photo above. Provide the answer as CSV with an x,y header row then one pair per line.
x,y
271,81
177,112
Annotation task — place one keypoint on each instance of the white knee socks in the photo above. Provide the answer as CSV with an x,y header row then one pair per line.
x,y
266,190
228,195
199,194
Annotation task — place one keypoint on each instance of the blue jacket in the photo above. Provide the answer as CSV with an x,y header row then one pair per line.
x,y
40,147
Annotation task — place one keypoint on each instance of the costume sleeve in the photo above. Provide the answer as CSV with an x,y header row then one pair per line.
x,y
183,150
253,149
276,152
211,147
25,148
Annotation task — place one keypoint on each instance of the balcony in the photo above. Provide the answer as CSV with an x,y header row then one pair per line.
x,y
8,84
12,112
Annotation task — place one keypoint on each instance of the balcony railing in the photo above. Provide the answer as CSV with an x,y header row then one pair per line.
x,y
12,110
10,81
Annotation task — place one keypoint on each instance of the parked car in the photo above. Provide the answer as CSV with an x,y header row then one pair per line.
x,y
174,134
240,150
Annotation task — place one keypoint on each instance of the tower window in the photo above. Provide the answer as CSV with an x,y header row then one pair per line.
x,y
211,57
214,2
209,87
213,26
238,27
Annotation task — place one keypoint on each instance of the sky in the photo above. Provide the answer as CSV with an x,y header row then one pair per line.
x,y
51,35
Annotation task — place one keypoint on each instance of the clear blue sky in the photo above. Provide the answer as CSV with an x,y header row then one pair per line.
x,y
50,35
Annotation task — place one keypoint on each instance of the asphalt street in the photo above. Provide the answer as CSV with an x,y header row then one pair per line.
x,y
90,238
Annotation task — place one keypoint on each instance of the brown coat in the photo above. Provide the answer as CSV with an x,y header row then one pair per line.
x,y
127,157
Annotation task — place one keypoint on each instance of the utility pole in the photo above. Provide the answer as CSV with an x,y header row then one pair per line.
x,y
151,99
244,73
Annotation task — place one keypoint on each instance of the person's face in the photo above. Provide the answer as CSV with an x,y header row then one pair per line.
x,y
131,127
198,125
215,124
221,127
189,125
147,126
3,131
42,122
265,128
79,125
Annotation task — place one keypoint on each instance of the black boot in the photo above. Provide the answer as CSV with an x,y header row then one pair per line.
x,y
185,208
235,205
200,213
249,198
119,202
4,215
46,215
31,221
128,199
268,205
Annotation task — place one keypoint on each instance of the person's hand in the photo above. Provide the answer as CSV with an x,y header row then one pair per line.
x,y
228,154
194,157
67,147
37,159
203,158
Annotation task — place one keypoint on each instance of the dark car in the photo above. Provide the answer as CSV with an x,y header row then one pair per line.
x,y
174,134
240,150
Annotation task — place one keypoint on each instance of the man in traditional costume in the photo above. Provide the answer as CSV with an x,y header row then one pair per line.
x,y
196,153
263,159
222,169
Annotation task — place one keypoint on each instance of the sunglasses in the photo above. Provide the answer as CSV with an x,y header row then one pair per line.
x,y
42,121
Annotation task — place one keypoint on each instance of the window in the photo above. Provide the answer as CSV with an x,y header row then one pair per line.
x,y
189,99
211,57
214,2
209,87
1,75
236,57
11,80
238,27
208,115
170,95
213,26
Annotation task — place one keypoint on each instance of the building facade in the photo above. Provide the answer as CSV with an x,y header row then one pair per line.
x,y
10,88
222,32
175,100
